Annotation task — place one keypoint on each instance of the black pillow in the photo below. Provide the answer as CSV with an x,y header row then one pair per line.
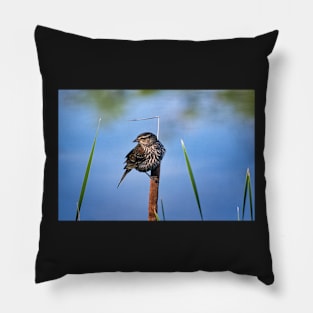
x,y
210,213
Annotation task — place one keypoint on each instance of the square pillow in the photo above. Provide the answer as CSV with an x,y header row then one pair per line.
x,y
201,102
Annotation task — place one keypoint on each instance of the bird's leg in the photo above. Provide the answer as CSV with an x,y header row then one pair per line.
x,y
152,177
148,175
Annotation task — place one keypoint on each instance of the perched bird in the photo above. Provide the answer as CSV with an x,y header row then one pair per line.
x,y
146,156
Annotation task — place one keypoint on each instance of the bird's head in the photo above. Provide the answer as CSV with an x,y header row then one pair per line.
x,y
146,139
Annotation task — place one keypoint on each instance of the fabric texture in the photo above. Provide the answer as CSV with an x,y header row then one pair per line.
x,y
72,62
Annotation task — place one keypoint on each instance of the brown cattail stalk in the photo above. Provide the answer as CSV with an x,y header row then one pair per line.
x,y
154,194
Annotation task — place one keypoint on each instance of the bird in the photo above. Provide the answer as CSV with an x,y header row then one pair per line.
x,y
146,156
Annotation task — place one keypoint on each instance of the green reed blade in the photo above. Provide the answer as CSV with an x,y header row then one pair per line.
x,y
245,195
162,210
83,188
192,179
250,197
156,216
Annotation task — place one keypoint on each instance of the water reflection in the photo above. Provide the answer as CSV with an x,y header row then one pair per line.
x,y
217,128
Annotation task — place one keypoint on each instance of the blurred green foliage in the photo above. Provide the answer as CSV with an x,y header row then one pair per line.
x,y
241,100
109,102
112,104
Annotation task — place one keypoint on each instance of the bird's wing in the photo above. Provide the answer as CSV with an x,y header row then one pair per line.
x,y
133,157
136,154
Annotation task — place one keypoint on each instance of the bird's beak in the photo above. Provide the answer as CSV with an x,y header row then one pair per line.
x,y
136,140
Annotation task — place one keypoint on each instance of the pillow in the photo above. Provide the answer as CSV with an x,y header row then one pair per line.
x,y
197,109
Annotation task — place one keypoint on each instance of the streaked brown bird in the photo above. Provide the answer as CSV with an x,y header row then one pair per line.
x,y
146,156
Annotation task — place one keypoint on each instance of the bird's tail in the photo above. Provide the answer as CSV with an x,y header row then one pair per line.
x,y
125,173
